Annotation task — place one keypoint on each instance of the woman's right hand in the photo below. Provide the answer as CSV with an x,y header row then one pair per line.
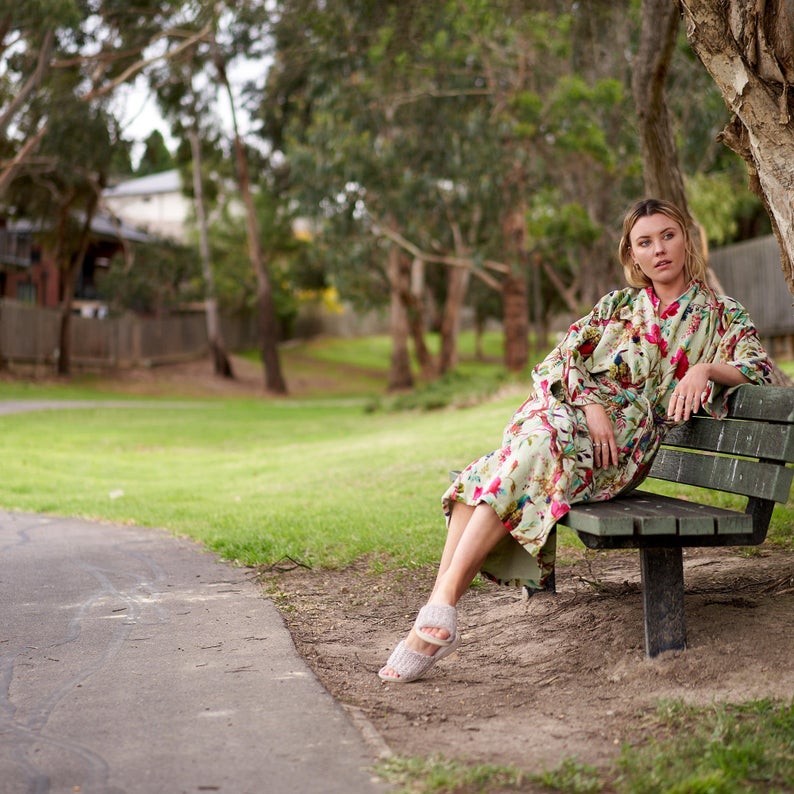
x,y
602,434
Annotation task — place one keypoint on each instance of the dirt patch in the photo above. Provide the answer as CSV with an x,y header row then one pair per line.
x,y
555,676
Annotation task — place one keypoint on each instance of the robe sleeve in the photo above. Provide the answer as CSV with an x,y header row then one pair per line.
x,y
740,347
566,373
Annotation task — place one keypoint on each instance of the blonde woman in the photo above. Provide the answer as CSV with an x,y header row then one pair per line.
x,y
645,358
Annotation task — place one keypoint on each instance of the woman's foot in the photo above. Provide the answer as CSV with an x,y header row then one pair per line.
x,y
437,624
433,636
414,658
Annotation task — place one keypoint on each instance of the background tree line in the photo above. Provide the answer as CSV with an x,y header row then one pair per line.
x,y
448,154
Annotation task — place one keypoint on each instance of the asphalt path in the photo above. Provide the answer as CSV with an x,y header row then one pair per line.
x,y
135,661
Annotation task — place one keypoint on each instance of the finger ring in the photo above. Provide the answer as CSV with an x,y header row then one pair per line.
x,y
604,443
680,396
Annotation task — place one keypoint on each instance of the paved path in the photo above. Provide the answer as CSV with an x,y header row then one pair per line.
x,y
132,661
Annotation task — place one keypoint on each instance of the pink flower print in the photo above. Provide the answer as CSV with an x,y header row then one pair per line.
x,y
681,360
655,338
559,509
494,486
477,493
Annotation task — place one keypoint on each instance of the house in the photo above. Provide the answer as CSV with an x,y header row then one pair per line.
x,y
154,203
29,273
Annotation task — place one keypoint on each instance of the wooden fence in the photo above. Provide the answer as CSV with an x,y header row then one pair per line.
x,y
750,272
29,337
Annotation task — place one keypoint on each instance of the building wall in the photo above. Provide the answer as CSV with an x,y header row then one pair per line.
x,y
38,284
164,214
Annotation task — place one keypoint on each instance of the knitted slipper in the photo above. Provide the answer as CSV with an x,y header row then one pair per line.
x,y
410,665
439,616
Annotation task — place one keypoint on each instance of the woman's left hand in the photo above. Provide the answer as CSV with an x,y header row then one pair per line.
x,y
602,434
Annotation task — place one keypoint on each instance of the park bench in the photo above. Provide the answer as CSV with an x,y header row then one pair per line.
x,y
745,453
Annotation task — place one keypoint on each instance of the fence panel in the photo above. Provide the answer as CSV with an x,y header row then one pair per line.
x,y
29,335
750,272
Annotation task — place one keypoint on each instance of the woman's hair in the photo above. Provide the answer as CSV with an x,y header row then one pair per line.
x,y
694,265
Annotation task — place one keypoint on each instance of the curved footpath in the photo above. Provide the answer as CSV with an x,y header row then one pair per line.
x,y
134,661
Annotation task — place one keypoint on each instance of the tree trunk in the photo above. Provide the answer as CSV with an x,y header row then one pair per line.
x,y
70,268
412,289
747,48
516,321
220,360
400,376
457,285
268,326
661,174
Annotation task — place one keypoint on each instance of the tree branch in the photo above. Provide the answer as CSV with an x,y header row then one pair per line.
x,y
441,259
139,66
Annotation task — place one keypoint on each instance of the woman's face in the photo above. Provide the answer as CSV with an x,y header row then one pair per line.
x,y
659,248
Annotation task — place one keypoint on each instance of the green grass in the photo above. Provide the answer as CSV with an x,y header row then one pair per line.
x,y
723,749
255,480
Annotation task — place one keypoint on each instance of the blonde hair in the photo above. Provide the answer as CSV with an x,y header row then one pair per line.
x,y
694,264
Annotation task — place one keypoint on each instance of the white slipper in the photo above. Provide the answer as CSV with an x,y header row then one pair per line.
x,y
437,616
410,665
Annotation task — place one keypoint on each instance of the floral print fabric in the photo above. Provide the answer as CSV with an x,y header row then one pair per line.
x,y
628,358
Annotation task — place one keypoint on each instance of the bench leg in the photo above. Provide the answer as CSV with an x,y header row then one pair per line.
x,y
663,600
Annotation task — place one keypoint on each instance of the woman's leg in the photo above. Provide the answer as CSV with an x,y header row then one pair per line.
x,y
472,533
481,530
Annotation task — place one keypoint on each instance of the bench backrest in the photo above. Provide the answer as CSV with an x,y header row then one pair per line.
x,y
746,453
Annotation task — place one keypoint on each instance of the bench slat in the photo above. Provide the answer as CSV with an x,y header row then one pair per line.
x,y
684,518
745,477
768,403
601,518
748,438
648,512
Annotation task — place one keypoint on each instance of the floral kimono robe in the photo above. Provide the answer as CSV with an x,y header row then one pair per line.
x,y
628,358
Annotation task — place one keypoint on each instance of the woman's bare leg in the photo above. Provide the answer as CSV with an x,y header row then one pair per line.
x,y
472,533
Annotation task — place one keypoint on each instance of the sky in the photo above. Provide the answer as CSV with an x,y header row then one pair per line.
x,y
140,116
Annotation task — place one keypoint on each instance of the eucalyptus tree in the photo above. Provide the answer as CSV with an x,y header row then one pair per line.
x,y
748,48
63,59
188,104
435,130
27,39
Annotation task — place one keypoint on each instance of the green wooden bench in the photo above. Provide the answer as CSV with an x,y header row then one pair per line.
x,y
745,454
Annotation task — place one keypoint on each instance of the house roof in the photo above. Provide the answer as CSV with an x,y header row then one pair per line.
x,y
164,182
102,225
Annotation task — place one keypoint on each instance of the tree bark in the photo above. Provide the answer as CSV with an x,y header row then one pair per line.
x,y
457,284
400,376
661,174
744,48
220,360
268,326
70,268
516,321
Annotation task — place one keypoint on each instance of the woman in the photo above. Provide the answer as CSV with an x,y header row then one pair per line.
x,y
646,357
